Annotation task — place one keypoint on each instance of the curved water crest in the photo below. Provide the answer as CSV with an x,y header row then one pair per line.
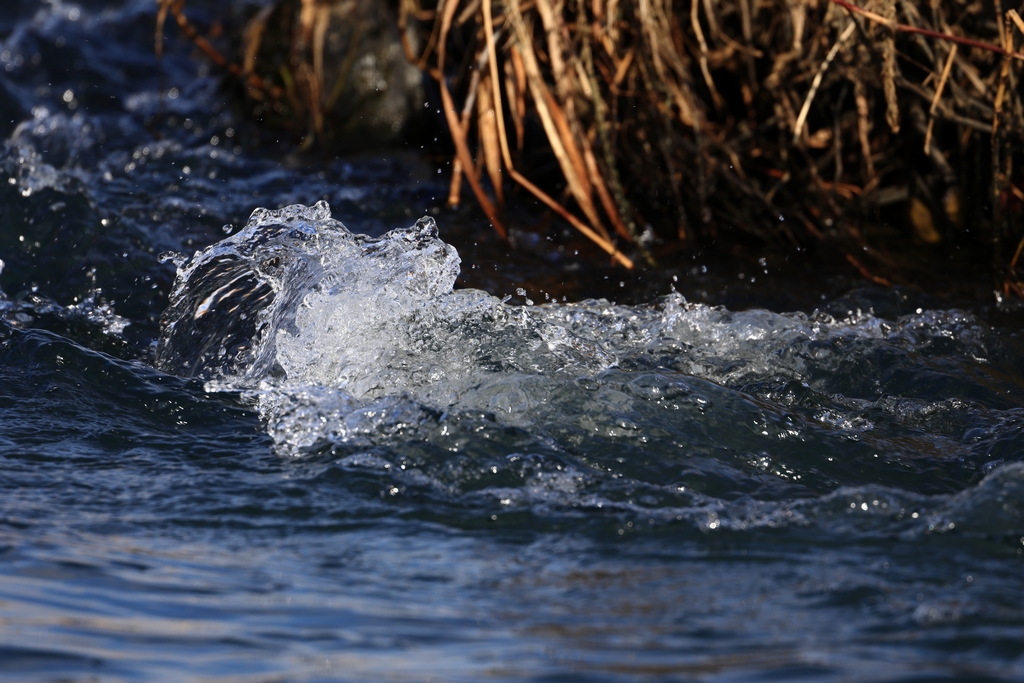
x,y
357,349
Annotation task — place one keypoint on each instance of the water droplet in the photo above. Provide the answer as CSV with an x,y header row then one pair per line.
x,y
175,257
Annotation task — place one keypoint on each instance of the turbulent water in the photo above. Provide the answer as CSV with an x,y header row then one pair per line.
x,y
306,452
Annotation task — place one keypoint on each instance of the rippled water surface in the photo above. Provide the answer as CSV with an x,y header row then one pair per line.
x,y
298,447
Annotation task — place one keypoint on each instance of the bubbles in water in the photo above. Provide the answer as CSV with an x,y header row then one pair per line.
x,y
520,292
349,341
175,257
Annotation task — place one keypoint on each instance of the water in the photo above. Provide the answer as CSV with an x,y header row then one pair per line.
x,y
325,463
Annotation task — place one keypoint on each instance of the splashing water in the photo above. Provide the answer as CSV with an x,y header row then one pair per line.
x,y
470,490
346,342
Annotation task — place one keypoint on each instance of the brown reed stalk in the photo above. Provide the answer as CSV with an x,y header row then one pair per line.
x,y
704,120
654,105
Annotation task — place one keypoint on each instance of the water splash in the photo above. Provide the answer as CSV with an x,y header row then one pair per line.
x,y
348,344
294,292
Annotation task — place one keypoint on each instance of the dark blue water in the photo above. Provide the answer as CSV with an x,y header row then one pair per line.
x,y
325,464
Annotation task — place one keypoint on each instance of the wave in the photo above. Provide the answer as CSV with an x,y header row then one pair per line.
x,y
357,348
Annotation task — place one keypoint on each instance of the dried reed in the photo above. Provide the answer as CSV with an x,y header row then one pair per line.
x,y
675,121
703,117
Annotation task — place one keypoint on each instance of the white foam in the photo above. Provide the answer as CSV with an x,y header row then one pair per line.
x,y
359,341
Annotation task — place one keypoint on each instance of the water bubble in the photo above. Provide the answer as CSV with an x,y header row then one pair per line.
x,y
175,257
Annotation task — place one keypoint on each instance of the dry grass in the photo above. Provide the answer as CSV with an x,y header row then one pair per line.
x,y
681,121
736,114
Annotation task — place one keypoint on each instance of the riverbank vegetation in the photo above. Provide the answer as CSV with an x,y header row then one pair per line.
x,y
879,131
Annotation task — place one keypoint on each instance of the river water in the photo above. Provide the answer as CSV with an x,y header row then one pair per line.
x,y
328,464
